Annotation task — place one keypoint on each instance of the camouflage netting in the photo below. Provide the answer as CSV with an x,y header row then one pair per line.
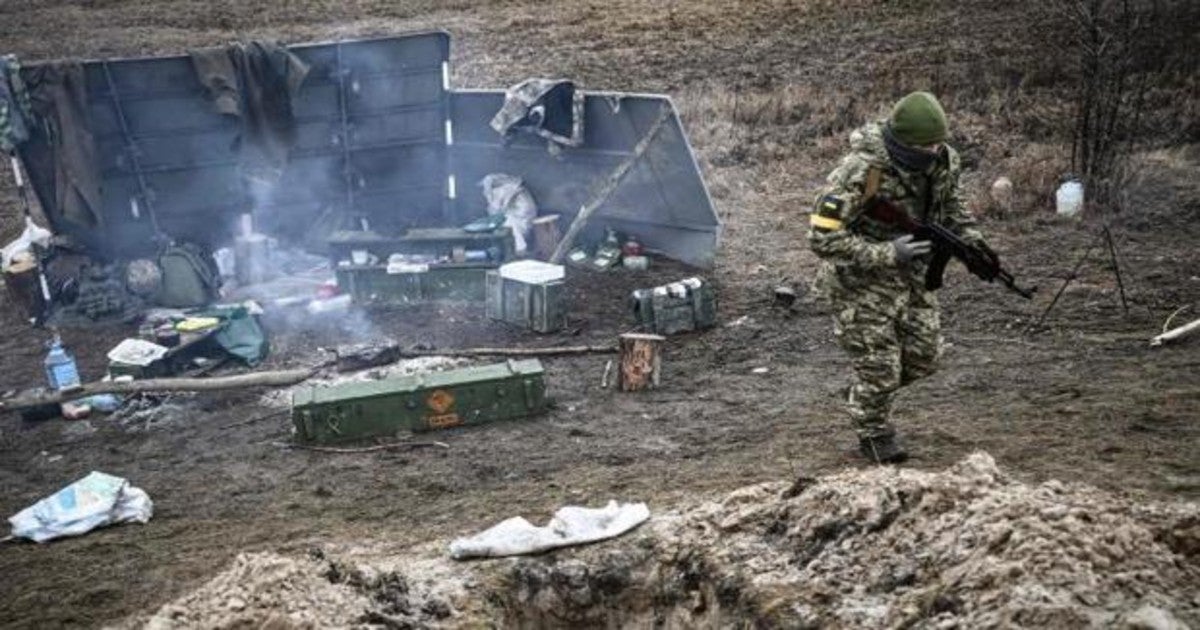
x,y
883,547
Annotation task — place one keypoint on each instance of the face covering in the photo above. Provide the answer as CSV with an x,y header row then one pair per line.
x,y
911,159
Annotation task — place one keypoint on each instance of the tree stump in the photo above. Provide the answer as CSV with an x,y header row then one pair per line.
x,y
545,236
641,362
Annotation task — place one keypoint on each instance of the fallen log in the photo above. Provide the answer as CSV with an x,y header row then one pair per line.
x,y
1176,333
281,378
509,352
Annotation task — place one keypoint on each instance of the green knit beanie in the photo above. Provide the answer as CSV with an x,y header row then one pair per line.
x,y
918,119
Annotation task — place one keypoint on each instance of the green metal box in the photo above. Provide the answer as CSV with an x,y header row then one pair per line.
x,y
422,402
445,264
376,284
530,294
684,306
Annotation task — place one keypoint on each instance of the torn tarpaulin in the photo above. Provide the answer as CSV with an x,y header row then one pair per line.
x,y
550,108
58,94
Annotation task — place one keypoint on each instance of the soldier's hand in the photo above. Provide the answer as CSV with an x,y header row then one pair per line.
x,y
908,249
989,252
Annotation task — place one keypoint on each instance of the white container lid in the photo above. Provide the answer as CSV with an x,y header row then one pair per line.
x,y
532,271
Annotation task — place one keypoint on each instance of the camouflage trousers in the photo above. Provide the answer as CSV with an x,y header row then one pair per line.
x,y
892,334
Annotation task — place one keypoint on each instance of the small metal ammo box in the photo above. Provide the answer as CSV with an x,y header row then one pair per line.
x,y
422,402
690,304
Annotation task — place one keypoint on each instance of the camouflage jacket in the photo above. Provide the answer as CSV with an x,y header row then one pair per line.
x,y
855,249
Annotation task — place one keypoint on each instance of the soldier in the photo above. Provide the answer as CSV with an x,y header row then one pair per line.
x,y
873,274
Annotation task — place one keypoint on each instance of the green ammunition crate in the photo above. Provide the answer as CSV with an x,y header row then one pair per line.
x,y
529,294
687,305
422,402
424,241
372,284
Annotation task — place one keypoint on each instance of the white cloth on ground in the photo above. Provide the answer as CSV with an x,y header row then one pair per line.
x,y
571,525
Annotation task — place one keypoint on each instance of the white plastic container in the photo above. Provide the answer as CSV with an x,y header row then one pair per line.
x,y
1069,198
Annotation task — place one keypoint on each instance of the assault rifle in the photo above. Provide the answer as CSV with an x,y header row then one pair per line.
x,y
946,245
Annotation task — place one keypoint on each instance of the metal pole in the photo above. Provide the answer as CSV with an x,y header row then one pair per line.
x,y
347,172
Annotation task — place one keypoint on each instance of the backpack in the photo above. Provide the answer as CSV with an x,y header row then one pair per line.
x,y
189,276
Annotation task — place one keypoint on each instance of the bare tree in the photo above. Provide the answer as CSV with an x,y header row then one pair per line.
x,y
1122,49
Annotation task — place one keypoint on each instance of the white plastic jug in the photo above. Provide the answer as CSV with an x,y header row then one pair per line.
x,y
1069,198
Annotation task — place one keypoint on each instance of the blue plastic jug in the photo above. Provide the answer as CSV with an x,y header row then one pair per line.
x,y
60,367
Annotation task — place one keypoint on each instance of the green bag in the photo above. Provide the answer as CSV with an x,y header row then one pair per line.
x,y
189,276
240,334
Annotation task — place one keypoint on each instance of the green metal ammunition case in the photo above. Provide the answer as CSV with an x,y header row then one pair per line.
x,y
423,402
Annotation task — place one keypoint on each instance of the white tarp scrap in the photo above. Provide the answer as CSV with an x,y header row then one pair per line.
x,y
571,525
94,501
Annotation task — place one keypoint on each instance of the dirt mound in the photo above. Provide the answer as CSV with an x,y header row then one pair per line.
x,y
266,590
968,547
884,547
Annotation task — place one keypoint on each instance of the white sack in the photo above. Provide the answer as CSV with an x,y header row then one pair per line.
x,y
571,525
94,501
507,194
32,234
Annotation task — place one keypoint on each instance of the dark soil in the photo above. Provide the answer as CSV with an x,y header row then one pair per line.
x,y
1083,398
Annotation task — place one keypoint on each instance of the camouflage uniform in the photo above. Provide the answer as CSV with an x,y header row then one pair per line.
x,y
884,317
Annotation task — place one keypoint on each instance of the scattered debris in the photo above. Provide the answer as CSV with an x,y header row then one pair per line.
x,y
605,189
570,526
146,410
1176,333
137,352
366,356
1069,197
785,296
74,410
94,501
1001,194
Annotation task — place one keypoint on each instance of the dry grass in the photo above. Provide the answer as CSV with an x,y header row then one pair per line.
x,y
768,89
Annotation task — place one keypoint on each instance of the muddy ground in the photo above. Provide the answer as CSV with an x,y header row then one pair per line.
x,y
768,93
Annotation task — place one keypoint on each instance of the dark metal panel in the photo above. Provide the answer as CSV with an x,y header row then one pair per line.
x,y
376,149
662,199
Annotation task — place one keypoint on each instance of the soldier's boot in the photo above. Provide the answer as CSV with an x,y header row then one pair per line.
x,y
882,449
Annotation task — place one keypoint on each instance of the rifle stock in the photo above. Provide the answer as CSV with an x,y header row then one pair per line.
x,y
946,245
